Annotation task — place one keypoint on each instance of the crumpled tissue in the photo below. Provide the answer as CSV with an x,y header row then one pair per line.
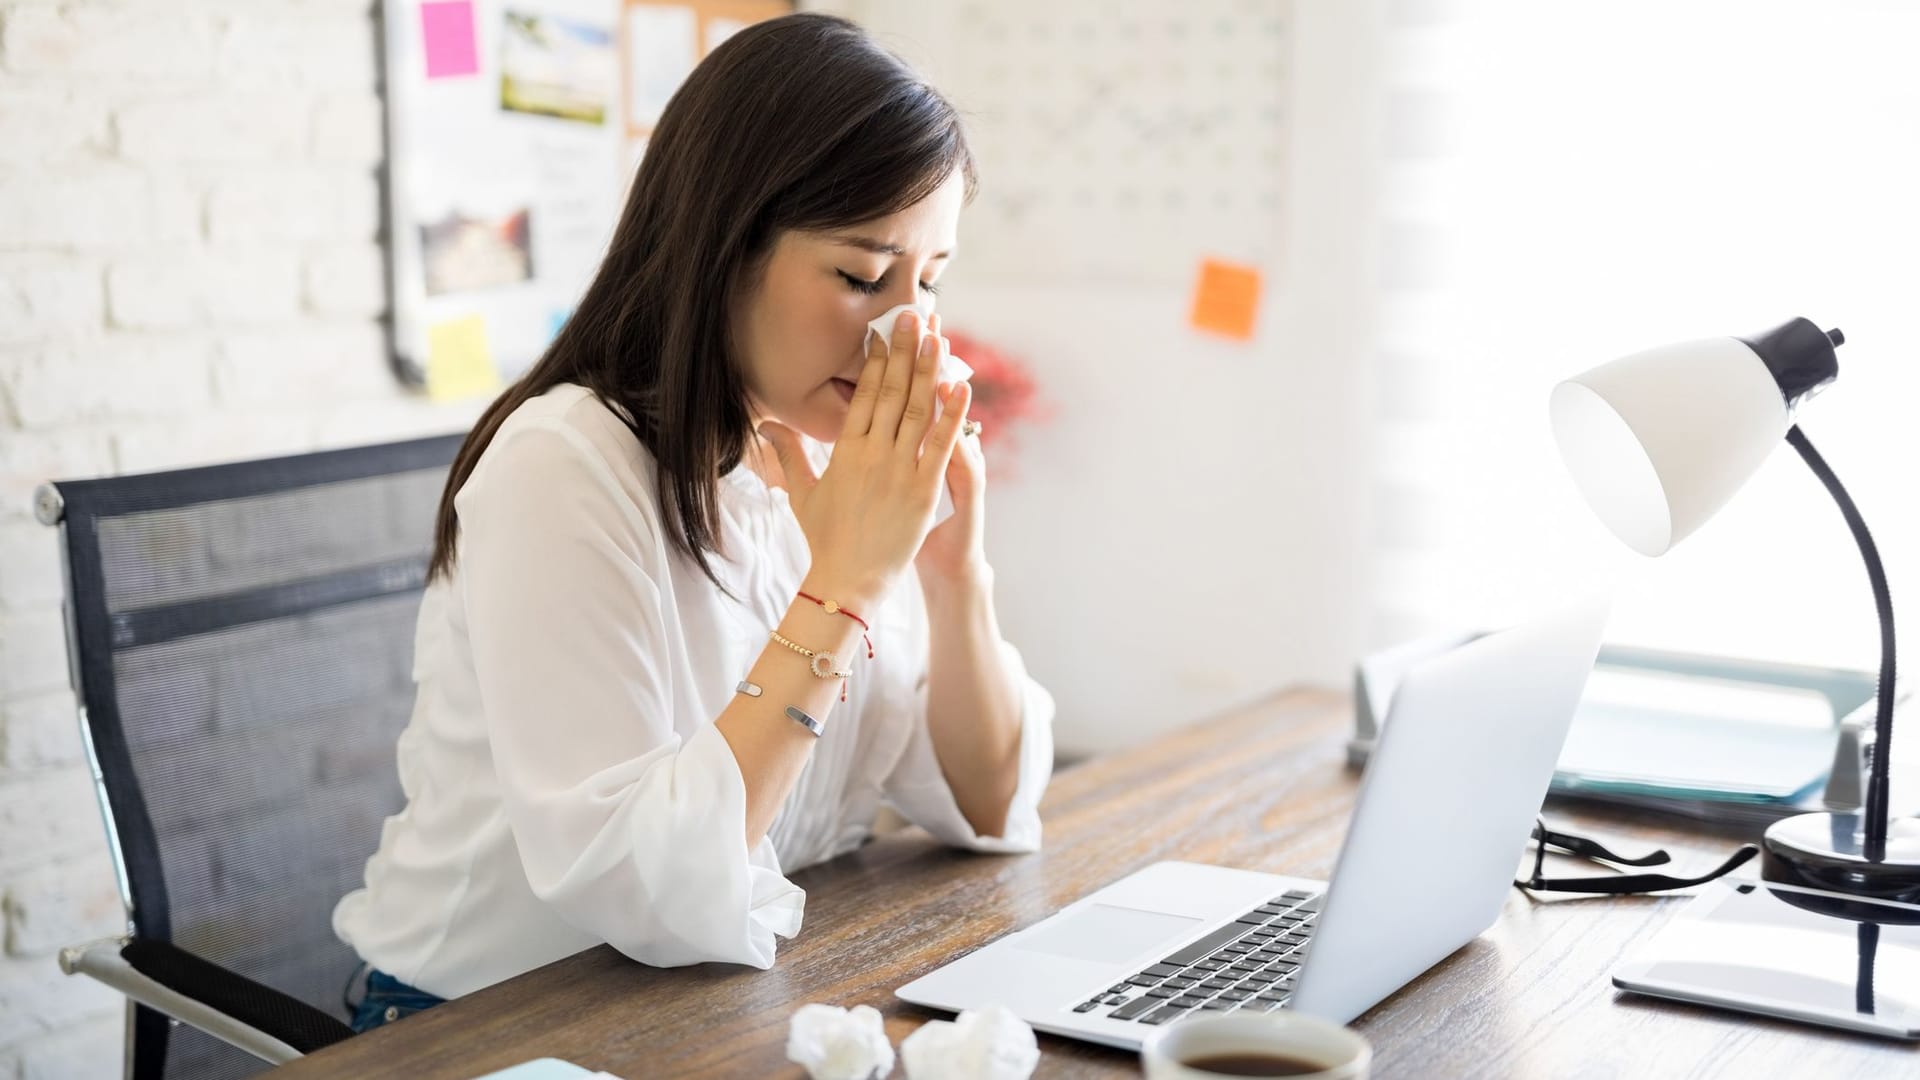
x,y
981,1044
832,1043
951,369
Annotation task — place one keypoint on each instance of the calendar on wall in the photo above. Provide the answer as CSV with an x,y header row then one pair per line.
x,y
1122,141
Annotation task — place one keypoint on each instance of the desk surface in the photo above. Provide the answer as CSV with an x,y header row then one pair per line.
x,y
1266,788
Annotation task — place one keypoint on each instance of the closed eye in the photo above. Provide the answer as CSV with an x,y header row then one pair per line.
x,y
870,288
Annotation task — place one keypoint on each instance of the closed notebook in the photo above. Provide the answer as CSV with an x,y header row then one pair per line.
x,y
1686,736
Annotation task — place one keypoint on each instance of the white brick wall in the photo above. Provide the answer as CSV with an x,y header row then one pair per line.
x,y
190,271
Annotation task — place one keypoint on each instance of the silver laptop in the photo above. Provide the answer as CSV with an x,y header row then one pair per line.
x,y
1441,823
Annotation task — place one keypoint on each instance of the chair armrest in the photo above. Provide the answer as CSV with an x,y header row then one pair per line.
x,y
160,975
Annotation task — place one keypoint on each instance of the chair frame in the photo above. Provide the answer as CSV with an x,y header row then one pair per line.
x,y
142,963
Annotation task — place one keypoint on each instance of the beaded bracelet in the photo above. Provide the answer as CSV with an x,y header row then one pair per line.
x,y
820,663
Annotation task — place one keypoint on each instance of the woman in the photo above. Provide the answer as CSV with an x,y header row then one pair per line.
x,y
645,685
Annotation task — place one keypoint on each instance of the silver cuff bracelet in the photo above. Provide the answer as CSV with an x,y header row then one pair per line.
x,y
806,721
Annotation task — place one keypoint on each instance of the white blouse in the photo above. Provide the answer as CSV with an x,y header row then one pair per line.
x,y
565,782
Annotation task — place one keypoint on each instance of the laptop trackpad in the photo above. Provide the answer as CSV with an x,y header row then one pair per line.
x,y
1104,933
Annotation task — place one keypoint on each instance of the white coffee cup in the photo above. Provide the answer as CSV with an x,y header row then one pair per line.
x,y
1169,1051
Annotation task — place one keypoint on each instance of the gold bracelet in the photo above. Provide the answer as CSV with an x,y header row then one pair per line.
x,y
820,663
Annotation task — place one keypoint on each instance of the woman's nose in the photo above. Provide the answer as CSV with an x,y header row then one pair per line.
x,y
907,291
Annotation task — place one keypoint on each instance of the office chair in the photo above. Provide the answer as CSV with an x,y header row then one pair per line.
x,y
240,638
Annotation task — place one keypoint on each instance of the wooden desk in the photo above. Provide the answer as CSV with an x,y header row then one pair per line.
x,y
1265,787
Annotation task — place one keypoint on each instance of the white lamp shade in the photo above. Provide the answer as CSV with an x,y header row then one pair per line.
x,y
1659,441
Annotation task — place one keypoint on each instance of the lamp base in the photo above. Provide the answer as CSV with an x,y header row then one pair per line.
x,y
1825,851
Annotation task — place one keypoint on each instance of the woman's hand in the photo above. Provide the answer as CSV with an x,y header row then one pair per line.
x,y
867,514
955,550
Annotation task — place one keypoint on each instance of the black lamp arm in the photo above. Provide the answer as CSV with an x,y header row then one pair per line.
x,y
1877,792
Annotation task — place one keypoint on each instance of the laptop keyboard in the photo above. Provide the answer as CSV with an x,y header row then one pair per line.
x,y
1248,965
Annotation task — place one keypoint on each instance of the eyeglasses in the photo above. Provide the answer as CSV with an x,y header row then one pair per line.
x,y
1570,844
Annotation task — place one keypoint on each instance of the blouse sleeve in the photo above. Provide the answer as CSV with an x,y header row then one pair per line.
x,y
919,790
630,833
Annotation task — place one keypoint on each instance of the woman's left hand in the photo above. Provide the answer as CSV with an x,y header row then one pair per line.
x,y
955,550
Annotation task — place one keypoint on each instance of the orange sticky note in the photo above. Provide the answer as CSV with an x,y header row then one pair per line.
x,y
1226,299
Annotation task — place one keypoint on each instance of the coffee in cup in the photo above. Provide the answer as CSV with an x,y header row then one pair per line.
x,y
1213,1045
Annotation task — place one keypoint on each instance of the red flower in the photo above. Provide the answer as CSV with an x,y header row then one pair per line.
x,y
1004,395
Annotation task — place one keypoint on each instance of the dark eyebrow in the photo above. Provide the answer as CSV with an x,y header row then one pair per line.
x,y
878,247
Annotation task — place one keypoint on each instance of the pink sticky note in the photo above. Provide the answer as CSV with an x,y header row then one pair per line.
x,y
447,28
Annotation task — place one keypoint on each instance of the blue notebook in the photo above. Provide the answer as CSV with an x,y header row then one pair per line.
x,y
543,1069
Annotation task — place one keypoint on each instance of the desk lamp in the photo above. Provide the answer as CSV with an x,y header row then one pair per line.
x,y
1658,442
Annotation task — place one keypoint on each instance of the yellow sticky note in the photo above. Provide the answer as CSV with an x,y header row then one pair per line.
x,y
1226,299
459,363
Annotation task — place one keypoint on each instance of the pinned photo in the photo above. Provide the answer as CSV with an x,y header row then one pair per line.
x,y
557,67
461,252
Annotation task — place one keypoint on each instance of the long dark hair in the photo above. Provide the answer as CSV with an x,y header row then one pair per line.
x,y
800,122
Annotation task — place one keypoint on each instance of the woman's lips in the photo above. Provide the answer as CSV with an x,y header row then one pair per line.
x,y
846,388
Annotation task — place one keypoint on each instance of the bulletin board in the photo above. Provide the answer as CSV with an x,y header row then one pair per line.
x,y
513,131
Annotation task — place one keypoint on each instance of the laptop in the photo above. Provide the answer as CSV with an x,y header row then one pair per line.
x,y
1441,821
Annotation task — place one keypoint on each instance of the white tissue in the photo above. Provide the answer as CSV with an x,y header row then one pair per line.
x,y
982,1044
951,369
832,1043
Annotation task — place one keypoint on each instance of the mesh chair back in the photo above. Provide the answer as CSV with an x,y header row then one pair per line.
x,y
243,644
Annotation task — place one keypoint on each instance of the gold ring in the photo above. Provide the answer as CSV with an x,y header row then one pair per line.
x,y
970,427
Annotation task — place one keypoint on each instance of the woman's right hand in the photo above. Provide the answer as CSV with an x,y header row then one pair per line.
x,y
867,514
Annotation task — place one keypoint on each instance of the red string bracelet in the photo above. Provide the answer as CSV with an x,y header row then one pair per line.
x,y
836,609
